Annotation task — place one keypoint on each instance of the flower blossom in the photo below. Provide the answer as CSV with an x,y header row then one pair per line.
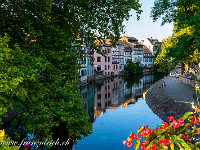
x,y
171,118
196,120
176,124
164,142
133,136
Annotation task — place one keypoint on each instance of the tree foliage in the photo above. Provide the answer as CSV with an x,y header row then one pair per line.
x,y
133,68
183,45
38,71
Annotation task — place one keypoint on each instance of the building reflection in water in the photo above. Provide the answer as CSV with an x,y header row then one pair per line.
x,y
111,93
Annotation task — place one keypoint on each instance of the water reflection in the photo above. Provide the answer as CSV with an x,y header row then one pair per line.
x,y
118,108
113,92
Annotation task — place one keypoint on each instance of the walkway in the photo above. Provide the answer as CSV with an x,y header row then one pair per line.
x,y
178,90
172,100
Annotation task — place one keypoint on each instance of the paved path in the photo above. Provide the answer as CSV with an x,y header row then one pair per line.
x,y
178,90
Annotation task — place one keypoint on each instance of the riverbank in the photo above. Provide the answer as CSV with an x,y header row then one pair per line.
x,y
172,100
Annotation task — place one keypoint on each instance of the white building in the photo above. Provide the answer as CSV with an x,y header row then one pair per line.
x,y
127,52
118,55
137,55
148,58
152,44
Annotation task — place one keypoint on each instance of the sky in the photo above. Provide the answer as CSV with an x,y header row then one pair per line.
x,y
145,27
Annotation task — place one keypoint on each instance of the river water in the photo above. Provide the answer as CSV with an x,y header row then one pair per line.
x,y
116,108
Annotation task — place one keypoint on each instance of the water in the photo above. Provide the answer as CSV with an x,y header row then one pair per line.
x,y
117,108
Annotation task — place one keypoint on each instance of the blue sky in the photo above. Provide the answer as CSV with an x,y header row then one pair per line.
x,y
145,27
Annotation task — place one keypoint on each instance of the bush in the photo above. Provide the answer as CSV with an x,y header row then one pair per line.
x,y
178,134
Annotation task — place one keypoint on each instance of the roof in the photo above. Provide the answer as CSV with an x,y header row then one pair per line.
x,y
155,42
146,50
132,38
125,44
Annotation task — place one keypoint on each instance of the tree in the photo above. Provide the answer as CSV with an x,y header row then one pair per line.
x,y
38,64
183,45
177,49
133,68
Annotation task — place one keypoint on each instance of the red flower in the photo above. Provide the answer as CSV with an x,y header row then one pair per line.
x,y
181,121
26,89
196,120
124,142
129,144
164,142
176,124
171,118
147,131
154,146
129,139
133,136
186,137
142,146
164,125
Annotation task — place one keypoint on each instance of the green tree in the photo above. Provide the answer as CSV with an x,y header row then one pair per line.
x,y
38,71
183,45
132,68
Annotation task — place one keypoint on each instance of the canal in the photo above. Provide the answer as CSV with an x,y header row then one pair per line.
x,y
116,108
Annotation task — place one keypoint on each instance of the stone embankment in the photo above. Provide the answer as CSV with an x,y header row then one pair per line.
x,y
164,105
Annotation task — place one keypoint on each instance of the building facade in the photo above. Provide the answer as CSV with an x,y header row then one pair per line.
x,y
152,45
148,58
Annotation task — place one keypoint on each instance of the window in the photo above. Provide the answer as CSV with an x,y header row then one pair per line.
x,y
108,50
105,67
98,88
98,104
108,73
98,68
88,72
108,95
108,67
105,59
116,67
108,86
82,72
108,59
98,59
105,73
98,96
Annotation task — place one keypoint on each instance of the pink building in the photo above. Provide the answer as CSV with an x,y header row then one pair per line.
x,y
104,65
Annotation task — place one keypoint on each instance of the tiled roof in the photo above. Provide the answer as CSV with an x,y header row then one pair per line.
x,y
125,44
146,50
